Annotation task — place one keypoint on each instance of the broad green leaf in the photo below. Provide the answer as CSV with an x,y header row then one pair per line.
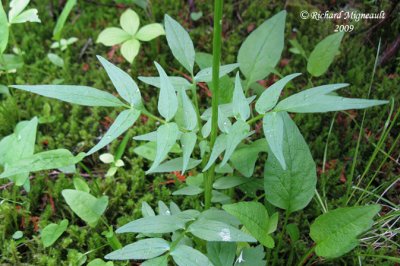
x,y
219,197
188,141
11,62
336,231
186,114
29,15
167,101
140,250
150,32
180,43
255,218
81,95
86,206
130,21
186,256
159,261
46,160
16,7
270,96
291,189
81,185
323,54
55,59
130,49
262,49
112,36
52,232
211,230
240,107
253,256
205,75
174,165
318,99
273,132
121,124
62,19
227,182
124,84
238,132
153,224
4,31
167,135
100,262
245,156
219,147
177,82
188,191
17,146
147,210
18,235
221,253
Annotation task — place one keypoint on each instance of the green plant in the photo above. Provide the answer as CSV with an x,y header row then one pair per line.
x,y
130,35
290,172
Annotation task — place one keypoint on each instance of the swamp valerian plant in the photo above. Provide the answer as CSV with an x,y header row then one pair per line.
x,y
213,236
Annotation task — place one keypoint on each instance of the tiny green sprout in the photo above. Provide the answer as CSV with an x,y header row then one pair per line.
x,y
130,35
63,43
17,235
108,158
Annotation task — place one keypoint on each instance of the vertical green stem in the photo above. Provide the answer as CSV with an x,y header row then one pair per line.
x,y
281,236
217,40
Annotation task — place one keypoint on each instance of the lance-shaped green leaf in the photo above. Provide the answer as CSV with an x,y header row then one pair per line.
x,y
219,147
238,132
211,230
221,253
62,19
245,156
141,250
121,124
188,191
81,95
42,161
273,132
147,210
205,75
167,135
270,96
4,30
186,114
319,99
17,146
336,231
52,232
262,49
124,84
227,182
240,106
255,218
180,43
177,82
291,189
153,224
86,206
167,101
174,165
323,54
188,140
187,256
